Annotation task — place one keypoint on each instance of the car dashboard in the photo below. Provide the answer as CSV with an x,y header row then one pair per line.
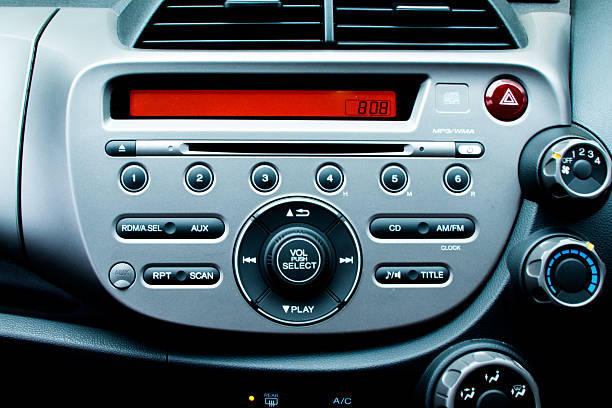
x,y
308,203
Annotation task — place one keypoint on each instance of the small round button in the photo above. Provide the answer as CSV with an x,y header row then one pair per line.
x,y
122,275
506,100
329,178
457,179
264,178
199,178
134,178
394,178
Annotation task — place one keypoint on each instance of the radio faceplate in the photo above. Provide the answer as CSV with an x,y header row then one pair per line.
x,y
433,264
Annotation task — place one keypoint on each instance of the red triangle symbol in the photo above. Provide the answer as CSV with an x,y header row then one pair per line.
x,y
508,99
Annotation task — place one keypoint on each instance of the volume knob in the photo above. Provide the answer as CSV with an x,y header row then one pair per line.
x,y
563,270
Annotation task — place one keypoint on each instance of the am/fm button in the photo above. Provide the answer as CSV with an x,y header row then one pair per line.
x,y
422,228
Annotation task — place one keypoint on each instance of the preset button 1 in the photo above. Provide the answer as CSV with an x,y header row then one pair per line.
x,y
134,178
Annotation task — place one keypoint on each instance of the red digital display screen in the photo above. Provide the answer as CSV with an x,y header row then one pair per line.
x,y
262,104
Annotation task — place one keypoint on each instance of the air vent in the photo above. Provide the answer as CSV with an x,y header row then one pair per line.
x,y
235,24
450,24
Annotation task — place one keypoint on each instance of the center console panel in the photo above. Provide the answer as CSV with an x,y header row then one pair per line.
x,y
187,219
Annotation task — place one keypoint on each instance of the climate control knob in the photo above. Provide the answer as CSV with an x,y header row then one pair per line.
x,y
563,270
485,379
575,167
566,163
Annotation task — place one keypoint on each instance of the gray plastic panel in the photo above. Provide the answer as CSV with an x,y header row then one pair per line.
x,y
591,59
19,30
69,215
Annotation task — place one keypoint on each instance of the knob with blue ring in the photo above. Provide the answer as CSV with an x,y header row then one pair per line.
x,y
565,270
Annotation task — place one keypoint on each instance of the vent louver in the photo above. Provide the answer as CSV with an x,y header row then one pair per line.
x,y
235,24
391,24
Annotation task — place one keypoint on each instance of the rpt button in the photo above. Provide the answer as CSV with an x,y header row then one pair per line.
x,y
203,275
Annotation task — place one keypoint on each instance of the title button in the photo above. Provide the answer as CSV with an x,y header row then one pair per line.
x,y
412,275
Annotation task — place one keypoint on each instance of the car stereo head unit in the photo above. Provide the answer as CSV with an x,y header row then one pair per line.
x,y
276,192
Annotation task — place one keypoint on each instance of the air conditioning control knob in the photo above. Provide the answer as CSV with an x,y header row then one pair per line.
x,y
564,270
486,379
575,168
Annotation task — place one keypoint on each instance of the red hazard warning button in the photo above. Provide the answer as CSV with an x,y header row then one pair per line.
x,y
506,100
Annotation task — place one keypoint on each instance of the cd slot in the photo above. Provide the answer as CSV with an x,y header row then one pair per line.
x,y
292,148
289,149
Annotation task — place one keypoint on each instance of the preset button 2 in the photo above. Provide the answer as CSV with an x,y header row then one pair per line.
x,y
199,178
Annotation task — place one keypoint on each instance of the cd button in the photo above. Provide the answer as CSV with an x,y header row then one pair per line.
x,y
421,228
